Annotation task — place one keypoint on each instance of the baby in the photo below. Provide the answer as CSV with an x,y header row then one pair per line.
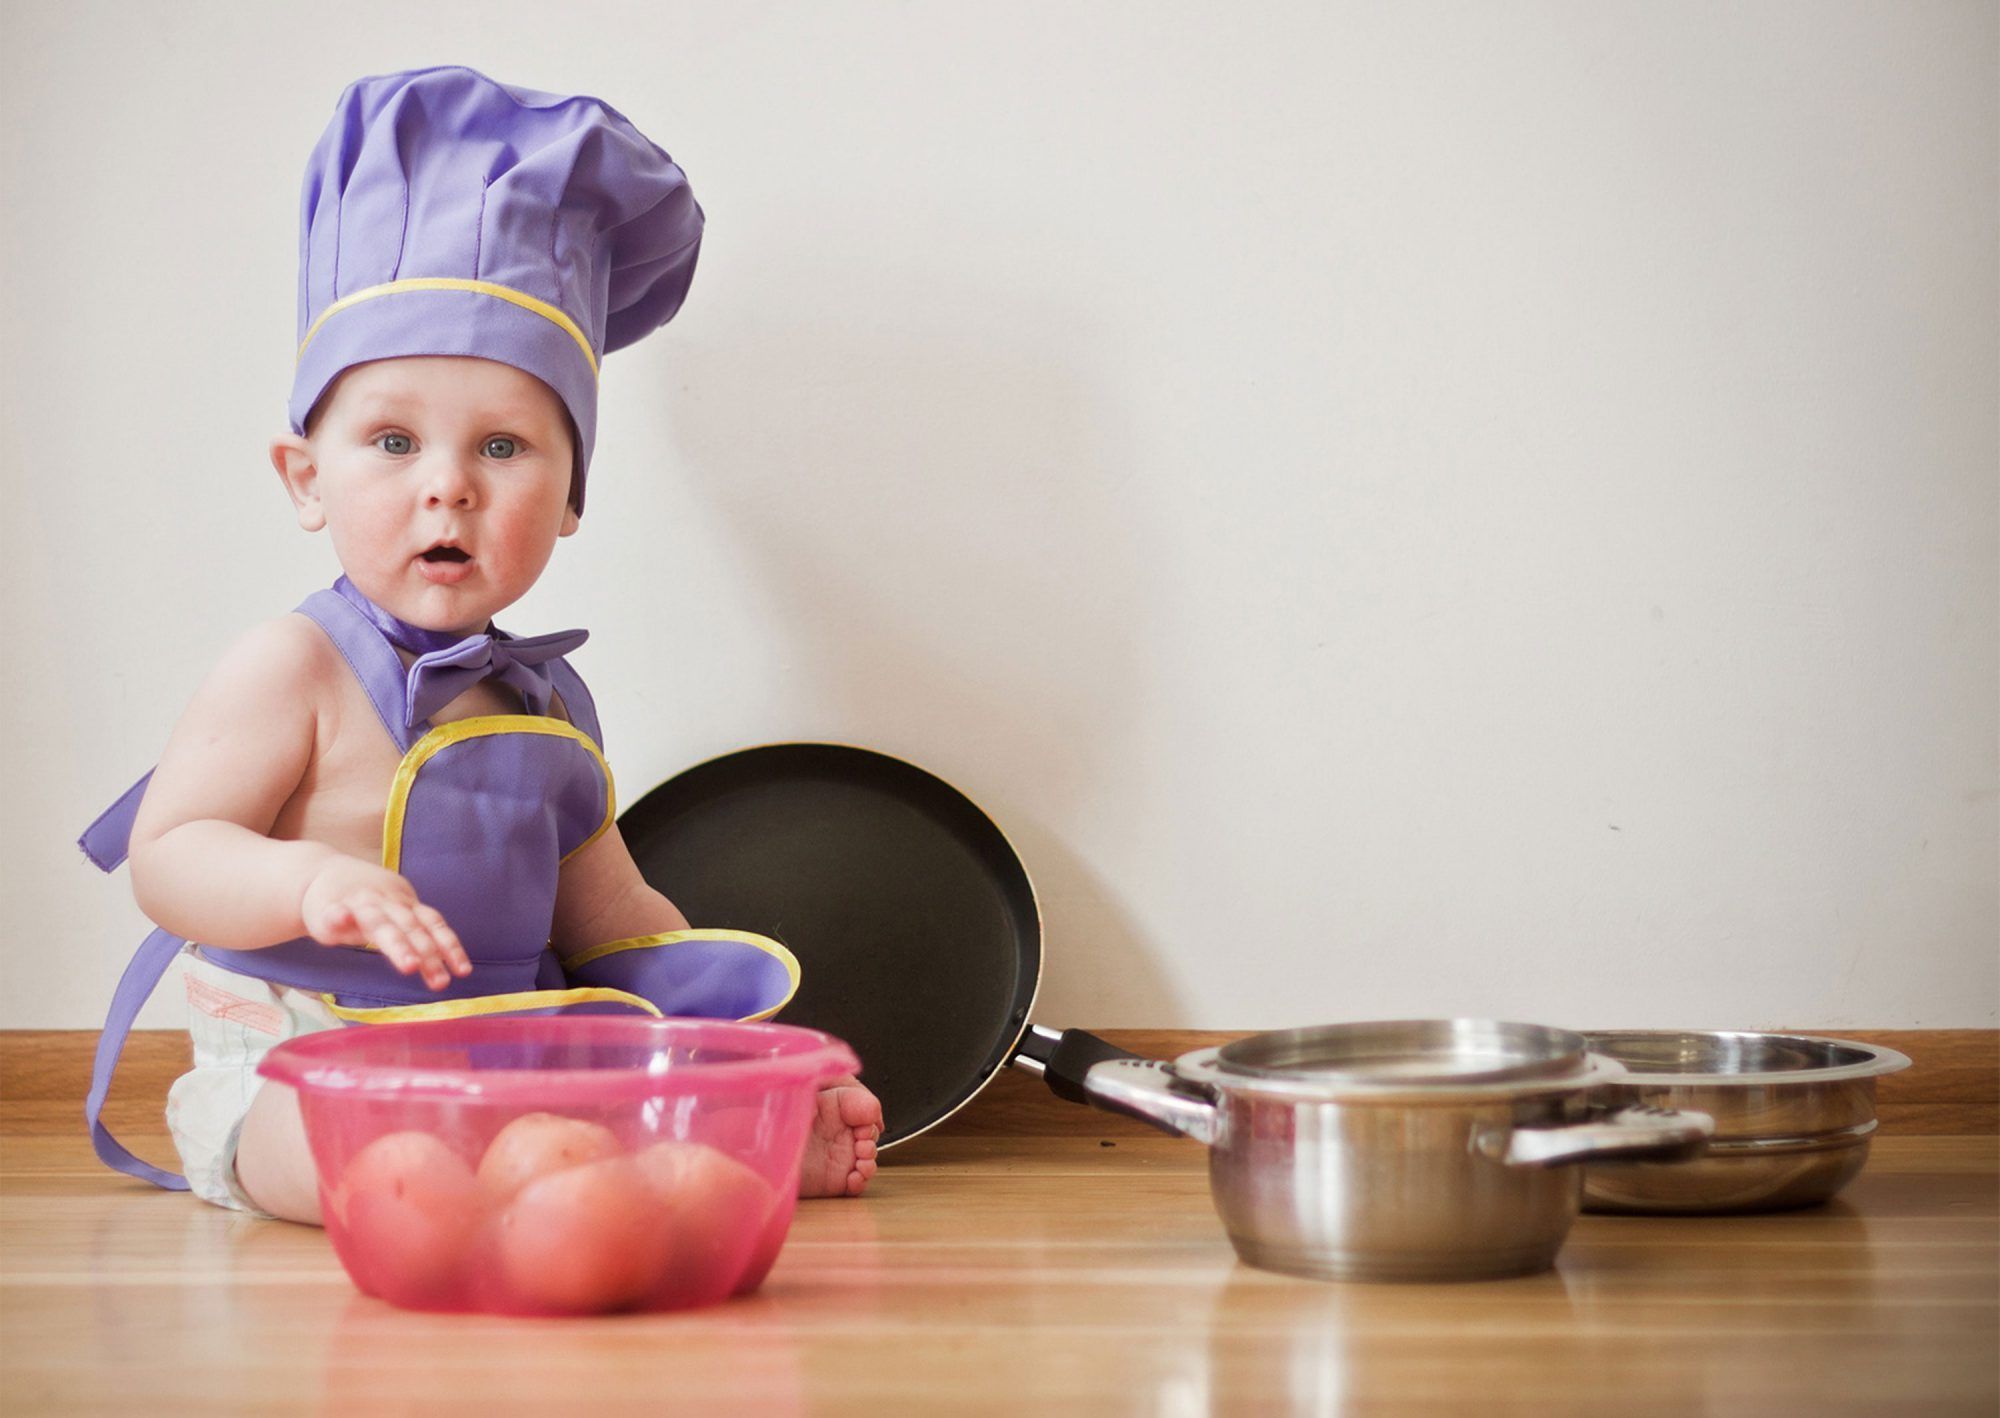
x,y
383,769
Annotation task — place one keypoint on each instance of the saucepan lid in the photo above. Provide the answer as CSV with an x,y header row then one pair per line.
x,y
1383,1059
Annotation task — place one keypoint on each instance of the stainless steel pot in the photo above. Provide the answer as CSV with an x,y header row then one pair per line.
x,y
1409,1150
1793,1116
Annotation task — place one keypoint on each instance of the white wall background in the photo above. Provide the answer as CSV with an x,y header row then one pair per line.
x,y
1396,509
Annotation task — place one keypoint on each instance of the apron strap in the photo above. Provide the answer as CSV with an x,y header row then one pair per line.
x,y
150,962
372,658
576,700
107,840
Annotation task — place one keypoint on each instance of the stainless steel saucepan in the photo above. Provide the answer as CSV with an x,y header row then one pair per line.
x,y
1427,1149
1410,1150
1793,1117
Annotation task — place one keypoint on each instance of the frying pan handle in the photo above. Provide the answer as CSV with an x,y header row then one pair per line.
x,y
1062,1060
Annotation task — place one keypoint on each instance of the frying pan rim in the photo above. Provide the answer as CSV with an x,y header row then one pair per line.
x,y
1004,1056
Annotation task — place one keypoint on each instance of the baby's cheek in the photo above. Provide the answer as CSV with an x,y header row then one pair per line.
x,y
363,532
521,549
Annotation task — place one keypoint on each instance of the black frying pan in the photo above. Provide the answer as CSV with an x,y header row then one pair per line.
x,y
913,920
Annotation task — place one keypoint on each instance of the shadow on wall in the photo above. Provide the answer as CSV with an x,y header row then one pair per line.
x,y
950,567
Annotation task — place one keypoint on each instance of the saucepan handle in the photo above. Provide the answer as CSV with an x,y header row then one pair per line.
x,y
1656,1134
1147,1089
1082,1068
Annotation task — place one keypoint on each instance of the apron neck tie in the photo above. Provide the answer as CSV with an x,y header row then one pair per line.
x,y
441,676
447,666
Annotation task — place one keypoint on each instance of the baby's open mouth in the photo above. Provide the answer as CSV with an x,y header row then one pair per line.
x,y
447,554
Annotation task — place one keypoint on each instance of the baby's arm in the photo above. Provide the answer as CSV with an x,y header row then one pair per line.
x,y
600,897
203,865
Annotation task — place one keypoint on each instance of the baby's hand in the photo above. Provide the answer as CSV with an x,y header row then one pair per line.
x,y
350,902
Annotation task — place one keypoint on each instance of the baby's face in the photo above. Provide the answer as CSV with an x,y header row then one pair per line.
x,y
444,481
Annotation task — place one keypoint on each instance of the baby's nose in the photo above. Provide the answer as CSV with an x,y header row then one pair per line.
x,y
449,484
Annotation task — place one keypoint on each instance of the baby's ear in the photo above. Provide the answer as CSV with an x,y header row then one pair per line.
x,y
292,456
569,522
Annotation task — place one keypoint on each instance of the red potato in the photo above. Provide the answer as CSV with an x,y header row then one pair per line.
x,y
536,1144
409,1206
584,1239
720,1211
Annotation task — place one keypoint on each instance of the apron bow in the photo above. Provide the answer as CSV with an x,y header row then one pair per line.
x,y
442,675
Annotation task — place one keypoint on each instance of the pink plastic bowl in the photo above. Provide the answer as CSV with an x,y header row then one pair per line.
x,y
660,1175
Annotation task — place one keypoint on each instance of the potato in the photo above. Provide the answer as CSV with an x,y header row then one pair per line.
x,y
536,1144
409,1206
586,1238
719,1210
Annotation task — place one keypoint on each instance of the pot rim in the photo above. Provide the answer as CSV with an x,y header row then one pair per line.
x,y
1564,1065
1878,1060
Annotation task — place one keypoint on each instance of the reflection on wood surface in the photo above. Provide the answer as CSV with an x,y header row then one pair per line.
x,y
983,1273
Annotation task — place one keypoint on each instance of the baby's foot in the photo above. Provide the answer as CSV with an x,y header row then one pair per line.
x,y
840,1151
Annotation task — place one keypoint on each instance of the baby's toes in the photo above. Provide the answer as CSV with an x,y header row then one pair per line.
x,y
860,1111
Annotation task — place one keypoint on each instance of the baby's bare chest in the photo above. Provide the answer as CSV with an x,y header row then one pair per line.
x,y
345,790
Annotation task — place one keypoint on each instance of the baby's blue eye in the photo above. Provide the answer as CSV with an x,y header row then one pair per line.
x,y
501,448
394,442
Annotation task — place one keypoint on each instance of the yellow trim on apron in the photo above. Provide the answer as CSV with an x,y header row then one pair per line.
x,y
507,293
460,730
486,1004
664,938
394,815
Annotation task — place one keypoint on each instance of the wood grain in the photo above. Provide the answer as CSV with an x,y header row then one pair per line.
x,y
1042,1274
1951,1088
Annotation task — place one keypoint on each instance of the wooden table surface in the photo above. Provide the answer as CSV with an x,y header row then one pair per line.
x,y
1030,1274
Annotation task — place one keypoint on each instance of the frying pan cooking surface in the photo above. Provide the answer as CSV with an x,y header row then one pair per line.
x,y
914,923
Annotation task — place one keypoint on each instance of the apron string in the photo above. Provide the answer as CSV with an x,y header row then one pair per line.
x,y
107,840
148,965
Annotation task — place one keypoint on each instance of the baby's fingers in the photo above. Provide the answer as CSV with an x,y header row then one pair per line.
x,y
380,933
430,953
444,937
390,936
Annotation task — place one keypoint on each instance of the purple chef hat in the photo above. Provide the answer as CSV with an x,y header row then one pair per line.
x,y
447,214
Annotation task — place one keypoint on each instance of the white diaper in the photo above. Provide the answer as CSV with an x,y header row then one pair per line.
x,y
233,1020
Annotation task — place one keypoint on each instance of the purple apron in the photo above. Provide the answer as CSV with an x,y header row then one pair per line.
x,y
481,815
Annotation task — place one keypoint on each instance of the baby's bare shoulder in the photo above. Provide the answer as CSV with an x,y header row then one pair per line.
x,y
244,741
282,658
